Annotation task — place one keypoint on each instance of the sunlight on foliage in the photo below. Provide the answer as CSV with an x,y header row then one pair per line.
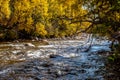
x,y
40,30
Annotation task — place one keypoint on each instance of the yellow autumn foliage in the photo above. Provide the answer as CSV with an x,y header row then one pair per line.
x,y
4,11
40,30
41,17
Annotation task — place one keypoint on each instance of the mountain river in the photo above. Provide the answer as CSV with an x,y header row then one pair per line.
x,y
58,60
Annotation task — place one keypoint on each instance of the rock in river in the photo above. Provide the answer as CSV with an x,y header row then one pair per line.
x,y
29,45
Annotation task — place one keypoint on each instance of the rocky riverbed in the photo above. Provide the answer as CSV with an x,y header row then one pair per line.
x,y
58,60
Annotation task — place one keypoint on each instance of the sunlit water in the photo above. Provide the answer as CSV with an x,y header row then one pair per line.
x,y
60,60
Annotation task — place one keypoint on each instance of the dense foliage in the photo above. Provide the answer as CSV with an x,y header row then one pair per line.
x,y
39,18
104,16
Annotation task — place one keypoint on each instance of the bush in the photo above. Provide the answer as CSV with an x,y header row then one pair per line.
x,y
11,35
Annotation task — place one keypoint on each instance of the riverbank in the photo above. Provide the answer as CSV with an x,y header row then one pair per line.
x,y
113,69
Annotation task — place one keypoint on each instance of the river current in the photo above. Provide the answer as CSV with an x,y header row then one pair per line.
x,y
59,60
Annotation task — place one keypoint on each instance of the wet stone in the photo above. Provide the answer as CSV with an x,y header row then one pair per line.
x,y
27,66
82,71
101,72
39,77
92,79
29,45
54,56
17,71
73,73
20,53
86,66
39,68
47,64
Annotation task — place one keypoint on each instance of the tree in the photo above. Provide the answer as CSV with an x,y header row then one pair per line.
x,y
104,16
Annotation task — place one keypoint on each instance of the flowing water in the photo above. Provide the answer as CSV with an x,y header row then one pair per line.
x,y
59,60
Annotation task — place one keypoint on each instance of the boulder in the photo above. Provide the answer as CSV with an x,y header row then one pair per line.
x,y
45,41
29,45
